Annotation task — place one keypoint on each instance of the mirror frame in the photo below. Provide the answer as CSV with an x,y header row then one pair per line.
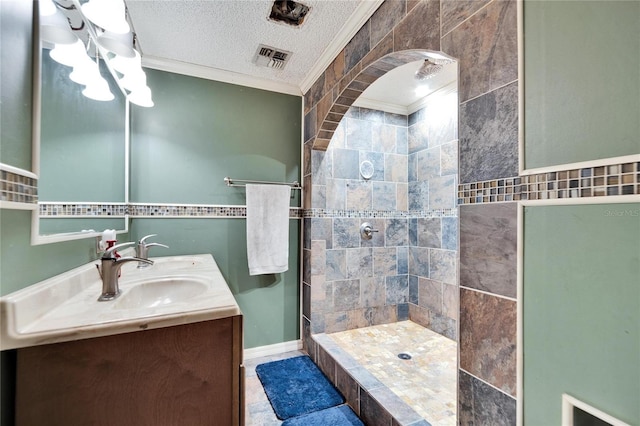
x,y
36,238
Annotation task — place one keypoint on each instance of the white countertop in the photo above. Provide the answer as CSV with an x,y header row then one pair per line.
x,y
65,307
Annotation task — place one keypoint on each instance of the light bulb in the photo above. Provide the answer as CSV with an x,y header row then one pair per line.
x,y
141,97
107,14
68,54
85,72
99,91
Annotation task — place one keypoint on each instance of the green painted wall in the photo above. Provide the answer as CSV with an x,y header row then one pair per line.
x,y
581,310
198,132
582,80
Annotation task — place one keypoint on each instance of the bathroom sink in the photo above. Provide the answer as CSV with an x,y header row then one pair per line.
x,y
161,292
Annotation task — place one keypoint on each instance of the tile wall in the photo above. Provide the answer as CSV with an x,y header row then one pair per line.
x,y
408,269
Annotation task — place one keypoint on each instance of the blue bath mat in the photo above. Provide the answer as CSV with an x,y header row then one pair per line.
x,y
334,416
296,386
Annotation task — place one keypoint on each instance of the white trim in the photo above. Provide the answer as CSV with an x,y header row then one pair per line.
x,y
17,171
361,15
568,402
275,349
382,106
14,205
583,164
520,41
520,315
610,199
224,76
37,239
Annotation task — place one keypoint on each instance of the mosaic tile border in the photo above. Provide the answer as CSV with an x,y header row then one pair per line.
x,y
598,181
18,188
380,214
47,209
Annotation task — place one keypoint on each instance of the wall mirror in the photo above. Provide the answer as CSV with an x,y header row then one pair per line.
x,y
80,144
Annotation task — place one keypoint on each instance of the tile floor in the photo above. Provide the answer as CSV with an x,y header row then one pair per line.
x,y
258,411
427,382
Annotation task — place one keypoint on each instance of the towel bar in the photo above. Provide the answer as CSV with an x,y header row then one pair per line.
x,y
231,182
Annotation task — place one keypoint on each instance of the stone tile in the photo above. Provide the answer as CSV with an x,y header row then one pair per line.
x,y
377,159
443,266
372,115
336,197
416,116
454,12
385,18
449,158
373,291
395,119
450,233
384,195
420,29
413,231
486,46
383,48
395,168
442,119
442,192
383,138
430,232
418,137
399,410
402,196
321,294
385,261
481,404
338,140
346,233
358,47
371,412
402,140
450,296
359,135
318,258
403,260
397,289
306,300
306,224
318,167
430,295
346,295
412,164
336,265
414,289
349,388
318,196
488,338
334,72
327,364
403,311
307,151
429,163
345,164
488,248
419,261
418,195
322,229
489,135
314,94
306,265
396,232
359,263
359,195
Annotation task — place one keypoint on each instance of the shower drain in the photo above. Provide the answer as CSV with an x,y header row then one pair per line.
x,y
404,355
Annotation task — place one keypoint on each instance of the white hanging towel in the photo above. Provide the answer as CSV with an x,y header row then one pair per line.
x,y
268,228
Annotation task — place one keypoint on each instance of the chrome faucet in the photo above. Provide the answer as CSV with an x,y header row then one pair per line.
x,y
142,250
109,271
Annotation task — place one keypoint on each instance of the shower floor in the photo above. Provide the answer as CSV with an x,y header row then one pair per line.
x,y
426,382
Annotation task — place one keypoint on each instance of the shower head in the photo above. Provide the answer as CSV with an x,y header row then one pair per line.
x,y
428,69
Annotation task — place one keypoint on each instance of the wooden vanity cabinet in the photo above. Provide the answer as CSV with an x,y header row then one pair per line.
x,y
188,375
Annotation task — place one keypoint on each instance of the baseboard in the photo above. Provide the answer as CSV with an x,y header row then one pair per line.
x,y
276,348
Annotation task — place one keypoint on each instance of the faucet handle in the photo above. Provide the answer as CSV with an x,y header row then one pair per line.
x,y
109,253
145,237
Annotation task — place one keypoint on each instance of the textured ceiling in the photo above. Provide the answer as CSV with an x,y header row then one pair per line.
x,y
225,34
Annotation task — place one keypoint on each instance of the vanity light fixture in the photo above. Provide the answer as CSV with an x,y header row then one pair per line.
x,y
105,25
109,15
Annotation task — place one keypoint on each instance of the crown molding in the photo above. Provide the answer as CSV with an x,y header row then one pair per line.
x,y
381,106
357,20
216,74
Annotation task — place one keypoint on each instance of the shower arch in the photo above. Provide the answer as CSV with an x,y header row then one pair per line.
x,y
331,109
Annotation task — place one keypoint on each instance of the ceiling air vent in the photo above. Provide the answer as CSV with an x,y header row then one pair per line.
x,y
271,57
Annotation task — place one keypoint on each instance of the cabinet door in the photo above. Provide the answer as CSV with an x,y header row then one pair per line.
x,y
182,375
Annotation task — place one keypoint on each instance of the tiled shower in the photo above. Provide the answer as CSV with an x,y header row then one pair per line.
x,y
407,270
